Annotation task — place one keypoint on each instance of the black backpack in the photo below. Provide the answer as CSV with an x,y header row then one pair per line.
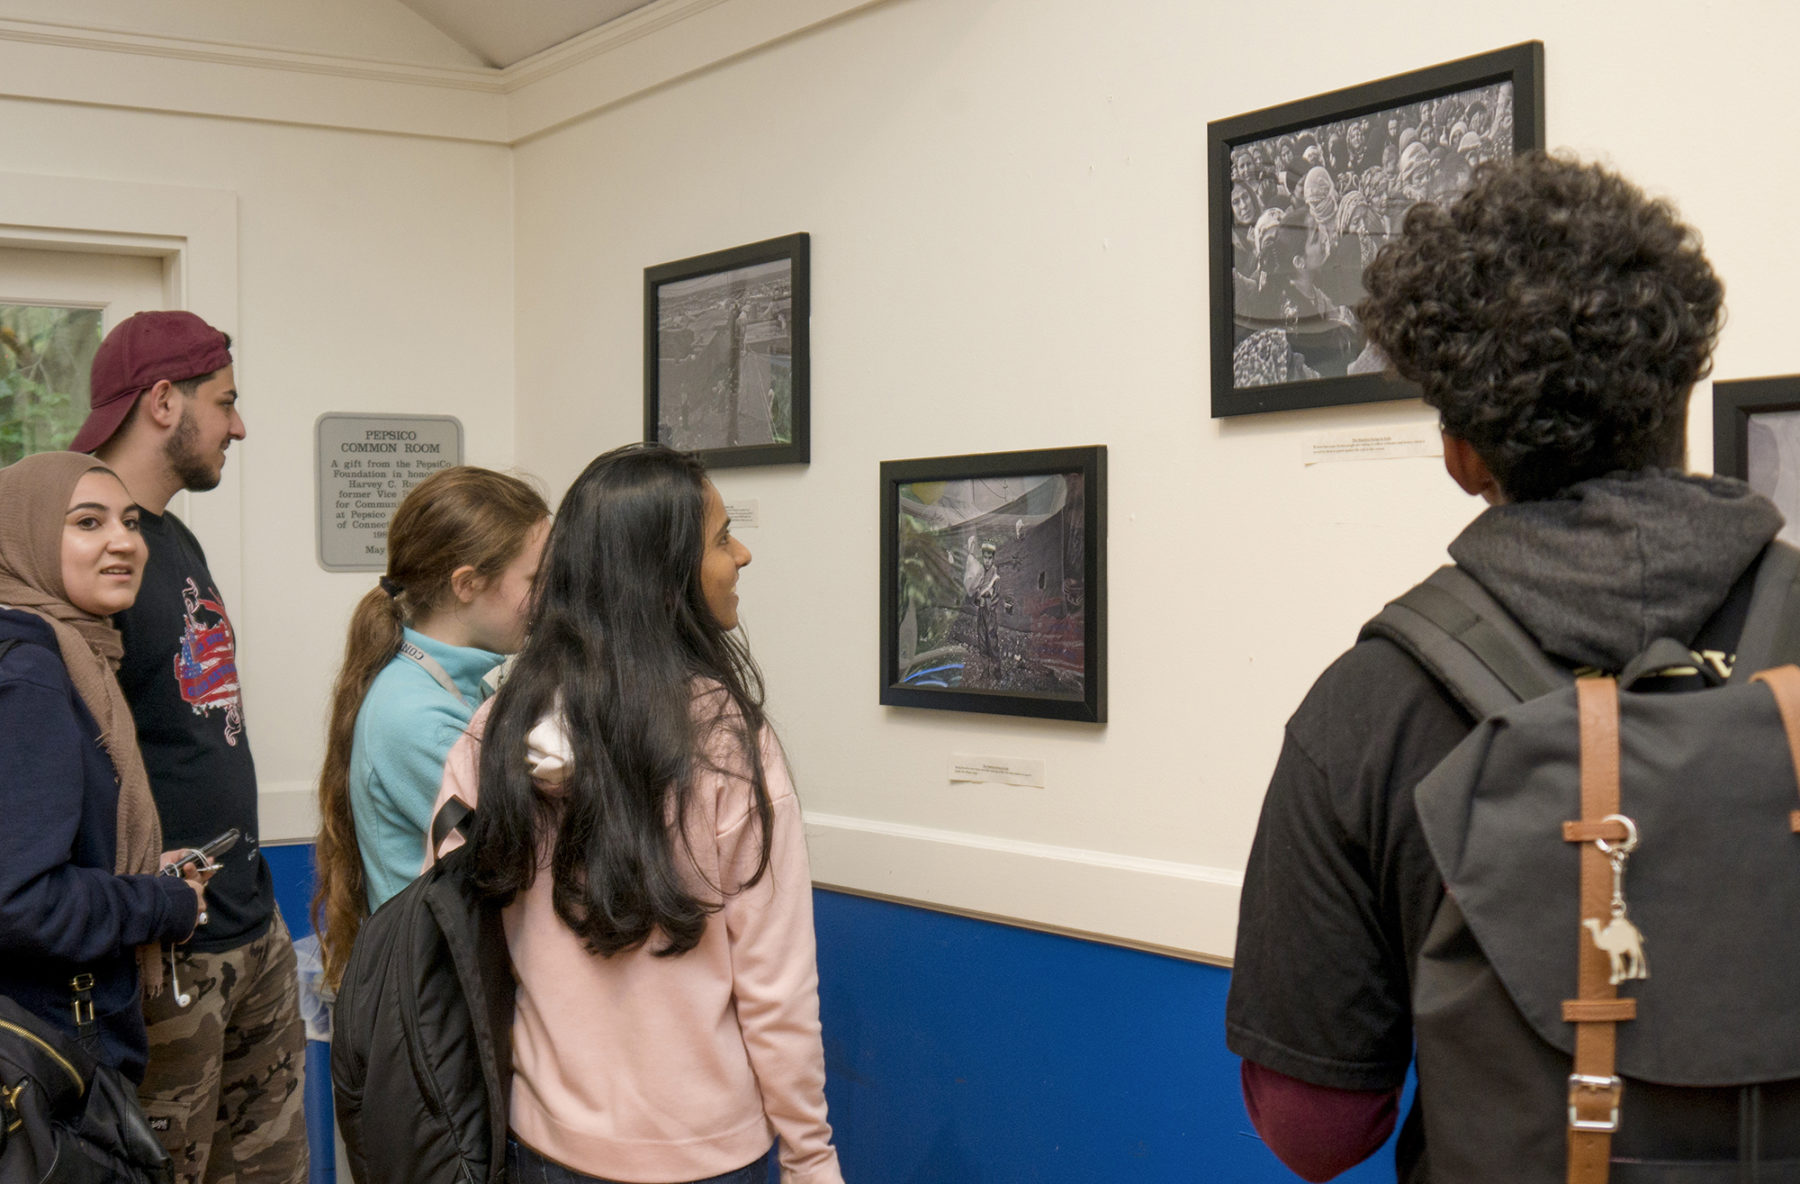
x,y
421,1045
1533,1066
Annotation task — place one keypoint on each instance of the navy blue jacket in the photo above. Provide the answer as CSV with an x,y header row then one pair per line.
x,y
62,910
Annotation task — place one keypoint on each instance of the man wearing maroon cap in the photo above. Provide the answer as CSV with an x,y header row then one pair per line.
x,y
223,1089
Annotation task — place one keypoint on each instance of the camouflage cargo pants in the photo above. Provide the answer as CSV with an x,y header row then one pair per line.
x,y
224,1086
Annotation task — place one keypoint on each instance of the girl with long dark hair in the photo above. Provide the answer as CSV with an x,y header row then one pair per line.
x,y
463,551
636,817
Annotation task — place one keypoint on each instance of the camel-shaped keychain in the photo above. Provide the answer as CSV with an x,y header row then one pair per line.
x,y
1619,938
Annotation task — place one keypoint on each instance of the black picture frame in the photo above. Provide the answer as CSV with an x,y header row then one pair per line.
x,y
1305,265
719,326
1750,446
1001,577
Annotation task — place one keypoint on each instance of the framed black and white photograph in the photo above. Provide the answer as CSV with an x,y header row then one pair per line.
x,y
1301,196
726,343
993,583
1756,438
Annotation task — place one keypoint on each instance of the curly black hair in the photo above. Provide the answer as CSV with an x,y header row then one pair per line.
x,y
1556,317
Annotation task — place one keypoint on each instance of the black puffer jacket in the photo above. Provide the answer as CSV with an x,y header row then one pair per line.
x,y
423,1031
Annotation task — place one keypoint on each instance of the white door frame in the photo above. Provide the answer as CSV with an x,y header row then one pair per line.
x,y
195,233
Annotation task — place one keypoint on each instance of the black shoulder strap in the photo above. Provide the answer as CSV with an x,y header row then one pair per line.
x,y
1457,631
1771,633
454,816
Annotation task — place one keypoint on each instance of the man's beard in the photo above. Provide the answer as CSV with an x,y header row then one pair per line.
x,y
183,454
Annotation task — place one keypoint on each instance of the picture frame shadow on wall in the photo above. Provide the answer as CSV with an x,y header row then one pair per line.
x,y
1756,438
727,354
1301,196
993,583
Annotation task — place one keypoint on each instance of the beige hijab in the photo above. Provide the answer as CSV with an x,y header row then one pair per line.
x,y
34,499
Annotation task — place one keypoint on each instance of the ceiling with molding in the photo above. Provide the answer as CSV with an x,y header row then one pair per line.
x,y
406,75
502,32
453,33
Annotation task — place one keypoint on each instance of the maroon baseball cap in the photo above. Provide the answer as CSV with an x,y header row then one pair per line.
x,y
140,352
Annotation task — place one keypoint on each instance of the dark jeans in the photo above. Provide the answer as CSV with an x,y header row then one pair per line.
x,y
525,1166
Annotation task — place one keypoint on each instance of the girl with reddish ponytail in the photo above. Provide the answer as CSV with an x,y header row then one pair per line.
x,y
463,553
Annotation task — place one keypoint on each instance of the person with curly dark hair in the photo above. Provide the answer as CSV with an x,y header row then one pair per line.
x,y
1557,320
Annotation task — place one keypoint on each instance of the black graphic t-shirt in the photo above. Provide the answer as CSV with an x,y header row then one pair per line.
x,y
180,676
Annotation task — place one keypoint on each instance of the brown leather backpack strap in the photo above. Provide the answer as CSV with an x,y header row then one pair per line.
x,y
1594,1089
1784,683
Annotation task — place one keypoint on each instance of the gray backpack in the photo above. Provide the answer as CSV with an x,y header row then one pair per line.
x,y
1607,834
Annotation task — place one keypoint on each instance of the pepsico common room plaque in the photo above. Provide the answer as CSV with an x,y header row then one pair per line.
x,y
364,465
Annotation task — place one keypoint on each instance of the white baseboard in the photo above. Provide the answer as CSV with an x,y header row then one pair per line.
x,y
1178,908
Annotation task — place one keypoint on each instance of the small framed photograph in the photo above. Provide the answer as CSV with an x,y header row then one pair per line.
x,y
993,583
726,342
1756,438
1300,197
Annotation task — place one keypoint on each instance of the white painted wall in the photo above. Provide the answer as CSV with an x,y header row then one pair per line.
x,y
375,274
1006,199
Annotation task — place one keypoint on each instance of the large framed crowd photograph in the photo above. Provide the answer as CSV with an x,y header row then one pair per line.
x,y
993,583
1756,438
726,354
1301,196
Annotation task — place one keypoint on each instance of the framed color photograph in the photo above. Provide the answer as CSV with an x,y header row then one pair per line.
x,y
993,583
1756,438
726,340
1300,197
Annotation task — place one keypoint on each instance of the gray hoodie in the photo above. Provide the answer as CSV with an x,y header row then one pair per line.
x,y
1600,571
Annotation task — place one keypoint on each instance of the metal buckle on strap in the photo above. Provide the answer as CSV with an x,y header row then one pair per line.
x,y
82,985
1582,1087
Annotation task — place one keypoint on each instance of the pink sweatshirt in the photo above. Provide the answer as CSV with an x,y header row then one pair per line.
x,y
650,1069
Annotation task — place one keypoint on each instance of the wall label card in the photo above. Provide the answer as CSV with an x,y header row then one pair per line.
x,y
744,514
1000,770
1375,443
363,466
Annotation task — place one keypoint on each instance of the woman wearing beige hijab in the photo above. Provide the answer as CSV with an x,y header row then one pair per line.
x,y
79,839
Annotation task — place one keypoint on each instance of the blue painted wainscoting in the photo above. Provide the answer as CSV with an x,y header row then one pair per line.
x,y
961,1051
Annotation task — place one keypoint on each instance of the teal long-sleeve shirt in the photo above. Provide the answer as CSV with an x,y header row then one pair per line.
x,y
403,733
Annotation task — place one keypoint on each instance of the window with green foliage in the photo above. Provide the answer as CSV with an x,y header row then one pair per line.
x,y
45,354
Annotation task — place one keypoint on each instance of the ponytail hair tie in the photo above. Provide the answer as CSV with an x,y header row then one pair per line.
x,y
391,586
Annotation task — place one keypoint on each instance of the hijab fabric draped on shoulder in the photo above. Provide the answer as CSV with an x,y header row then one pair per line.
x,y
35,492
